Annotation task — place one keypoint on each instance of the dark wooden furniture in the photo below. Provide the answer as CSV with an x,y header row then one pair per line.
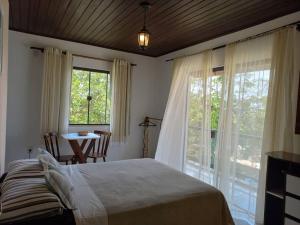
x,y
297,125
100,148
281,199
52,146
78,149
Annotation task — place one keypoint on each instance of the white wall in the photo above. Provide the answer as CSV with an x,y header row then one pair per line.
x,y
3,81
24,93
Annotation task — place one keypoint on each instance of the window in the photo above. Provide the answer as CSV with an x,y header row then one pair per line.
x,y
90,97
195,118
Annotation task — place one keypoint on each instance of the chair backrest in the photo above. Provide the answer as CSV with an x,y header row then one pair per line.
x,y
51,143
103,142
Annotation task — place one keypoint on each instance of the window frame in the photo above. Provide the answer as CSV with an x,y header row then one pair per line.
x,y
90,70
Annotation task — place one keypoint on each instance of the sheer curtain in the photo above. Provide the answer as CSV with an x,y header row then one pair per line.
x,y
279,126
255,101
56,90
121,95
242,114
173,136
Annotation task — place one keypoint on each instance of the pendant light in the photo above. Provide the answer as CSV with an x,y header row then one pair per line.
x,y
144,35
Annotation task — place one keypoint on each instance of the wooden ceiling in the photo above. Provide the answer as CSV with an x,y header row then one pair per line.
x,y
173,24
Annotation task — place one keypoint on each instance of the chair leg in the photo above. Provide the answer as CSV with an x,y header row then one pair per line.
x,y
67,162
104,160
95,160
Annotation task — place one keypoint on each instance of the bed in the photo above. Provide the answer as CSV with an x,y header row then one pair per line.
x,y
138,192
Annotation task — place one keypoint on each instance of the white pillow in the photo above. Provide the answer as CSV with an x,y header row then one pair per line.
x,y
47,160
61,183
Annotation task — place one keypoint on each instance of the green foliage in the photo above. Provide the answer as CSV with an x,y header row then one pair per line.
x,y
249,100
97,85
197,111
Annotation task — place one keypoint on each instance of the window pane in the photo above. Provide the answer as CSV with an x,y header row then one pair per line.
x,y
79,93
98,104
202,92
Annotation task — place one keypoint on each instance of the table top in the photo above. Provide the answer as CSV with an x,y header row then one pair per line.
x,y
75,136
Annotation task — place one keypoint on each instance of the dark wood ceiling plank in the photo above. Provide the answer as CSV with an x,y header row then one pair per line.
x,y
24,7
69,13
15,5
80,15
11,17
133,25
86,17
204,8
92,19
182,13
34,6
117,15
206,13
46,7
42,12
153,17
118,22
114,4
203,32
169,12
59,15
210,16
235,24
50,20
81,9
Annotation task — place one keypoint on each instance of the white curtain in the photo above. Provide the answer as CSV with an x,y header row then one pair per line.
x,y
242,114
121,95
256,115
57,74
173,135
279,126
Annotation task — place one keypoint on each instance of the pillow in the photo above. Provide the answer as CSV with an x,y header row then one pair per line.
x,y
47,160
24,168
17,164
27,198
61,183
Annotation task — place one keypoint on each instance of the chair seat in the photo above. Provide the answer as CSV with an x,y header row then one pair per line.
x,y
96,155
64,158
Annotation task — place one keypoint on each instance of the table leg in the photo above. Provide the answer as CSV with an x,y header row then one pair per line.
x,y
77,151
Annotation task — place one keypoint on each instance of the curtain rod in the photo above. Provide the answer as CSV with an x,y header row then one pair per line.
x,y
241,40
83,56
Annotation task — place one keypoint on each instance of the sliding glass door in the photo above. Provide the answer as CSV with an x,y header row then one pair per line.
x,y
249,98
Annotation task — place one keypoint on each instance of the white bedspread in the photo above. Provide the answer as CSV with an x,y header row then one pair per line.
x,y
89,208
143,192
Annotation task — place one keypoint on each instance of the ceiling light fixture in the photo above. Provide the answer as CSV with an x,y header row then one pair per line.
x,y
144,35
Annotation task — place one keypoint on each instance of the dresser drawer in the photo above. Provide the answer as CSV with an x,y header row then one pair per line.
x,y
288,221
293,184
292,207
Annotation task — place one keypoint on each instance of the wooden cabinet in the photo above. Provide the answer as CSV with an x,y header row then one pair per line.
x,y
297,125
282,199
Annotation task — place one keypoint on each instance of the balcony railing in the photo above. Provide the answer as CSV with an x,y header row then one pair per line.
x,y
243,184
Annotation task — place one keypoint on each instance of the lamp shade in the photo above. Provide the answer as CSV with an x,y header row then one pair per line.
x,y
143,38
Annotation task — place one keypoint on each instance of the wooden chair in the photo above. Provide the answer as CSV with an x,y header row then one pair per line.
x,y
51,143
100,148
